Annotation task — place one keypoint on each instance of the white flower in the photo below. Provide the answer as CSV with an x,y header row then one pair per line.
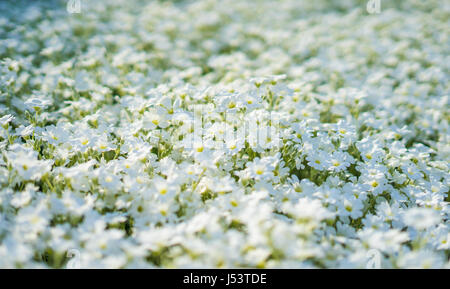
x,y
199,134
83,81
423,259
37,103
6,119
421,218
24,161
308,209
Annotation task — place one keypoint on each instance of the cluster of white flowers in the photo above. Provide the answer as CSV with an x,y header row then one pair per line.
x,y
224,133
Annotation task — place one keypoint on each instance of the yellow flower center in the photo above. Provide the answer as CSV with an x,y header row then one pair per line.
x,y
426,265
35,219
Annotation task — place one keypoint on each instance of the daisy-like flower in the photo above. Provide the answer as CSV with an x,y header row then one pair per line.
x,y
340,161
260,169
24,161
55,135
197,134
37,103
318,160
5,120
351,207
155,117
421,218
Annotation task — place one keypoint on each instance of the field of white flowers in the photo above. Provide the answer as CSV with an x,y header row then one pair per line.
x,y
224,133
